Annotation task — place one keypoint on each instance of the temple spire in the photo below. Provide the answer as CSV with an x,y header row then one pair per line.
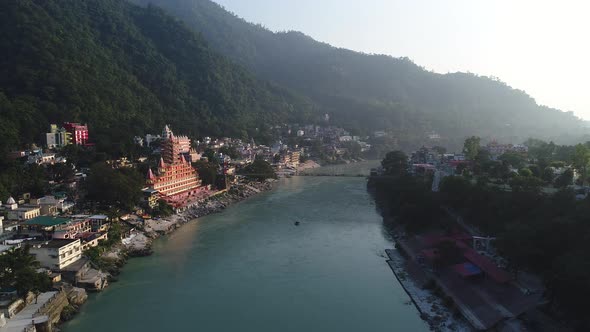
x,y
167,133
150,174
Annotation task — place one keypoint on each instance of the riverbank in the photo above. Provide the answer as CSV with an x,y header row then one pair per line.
x,y
431,307
139,242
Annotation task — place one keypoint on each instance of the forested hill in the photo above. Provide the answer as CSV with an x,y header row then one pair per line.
x,y
123,69
376,91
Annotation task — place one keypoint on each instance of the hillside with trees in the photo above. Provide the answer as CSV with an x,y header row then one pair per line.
x,y
377,92
124,70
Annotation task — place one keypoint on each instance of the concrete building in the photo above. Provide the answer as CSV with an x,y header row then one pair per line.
x,y
57,254
72,229
78,133
89,239
24,213
99,223
151,197
57,137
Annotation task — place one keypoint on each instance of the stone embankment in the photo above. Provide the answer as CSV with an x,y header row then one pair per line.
x,y
43,311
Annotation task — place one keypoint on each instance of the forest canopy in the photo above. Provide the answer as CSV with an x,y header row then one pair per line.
x,y
124,70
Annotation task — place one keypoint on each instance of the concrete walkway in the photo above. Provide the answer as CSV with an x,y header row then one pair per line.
x,y
25,318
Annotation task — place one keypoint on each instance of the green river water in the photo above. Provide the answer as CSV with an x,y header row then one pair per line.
x,y
250,268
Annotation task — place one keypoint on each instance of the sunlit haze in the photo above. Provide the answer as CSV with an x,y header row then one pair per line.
x,y
537,46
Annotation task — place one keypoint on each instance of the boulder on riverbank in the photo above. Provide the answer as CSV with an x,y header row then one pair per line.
x,y
138,245
77,296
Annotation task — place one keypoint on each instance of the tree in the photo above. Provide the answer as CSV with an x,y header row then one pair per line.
x,y
4,194
535,170
61,173
18,268
471,147
439,149
548,174
455,189
500,170
540,150
230,151
395,163
354,149
207,171
259,170
513,159
164,209
482,161
525,172
517,244
565,179
211,156
581,159
114,187
528,184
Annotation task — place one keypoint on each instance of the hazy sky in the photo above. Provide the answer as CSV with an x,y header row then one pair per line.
x,y
542,47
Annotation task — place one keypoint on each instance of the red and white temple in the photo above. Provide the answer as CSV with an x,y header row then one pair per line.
x,y
175,180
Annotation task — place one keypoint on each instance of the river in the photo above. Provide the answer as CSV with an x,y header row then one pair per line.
x,y
250,268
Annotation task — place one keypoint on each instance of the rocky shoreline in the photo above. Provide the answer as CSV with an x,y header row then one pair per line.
x,y
138,244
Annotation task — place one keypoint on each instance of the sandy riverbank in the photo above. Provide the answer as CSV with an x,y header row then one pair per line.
x,y
309,164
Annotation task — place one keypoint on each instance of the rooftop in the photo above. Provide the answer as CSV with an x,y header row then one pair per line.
x,y
46,221
99,217
56,243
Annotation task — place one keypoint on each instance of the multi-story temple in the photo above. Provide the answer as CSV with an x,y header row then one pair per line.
x,y
175,180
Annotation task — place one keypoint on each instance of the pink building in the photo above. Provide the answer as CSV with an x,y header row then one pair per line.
x,y
78,133
175,180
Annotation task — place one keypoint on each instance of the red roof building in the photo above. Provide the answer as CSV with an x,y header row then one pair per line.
x,y
487,266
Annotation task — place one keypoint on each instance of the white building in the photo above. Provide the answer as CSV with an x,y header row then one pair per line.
x,y
24,213
10,204
57,254
149,138
60,204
